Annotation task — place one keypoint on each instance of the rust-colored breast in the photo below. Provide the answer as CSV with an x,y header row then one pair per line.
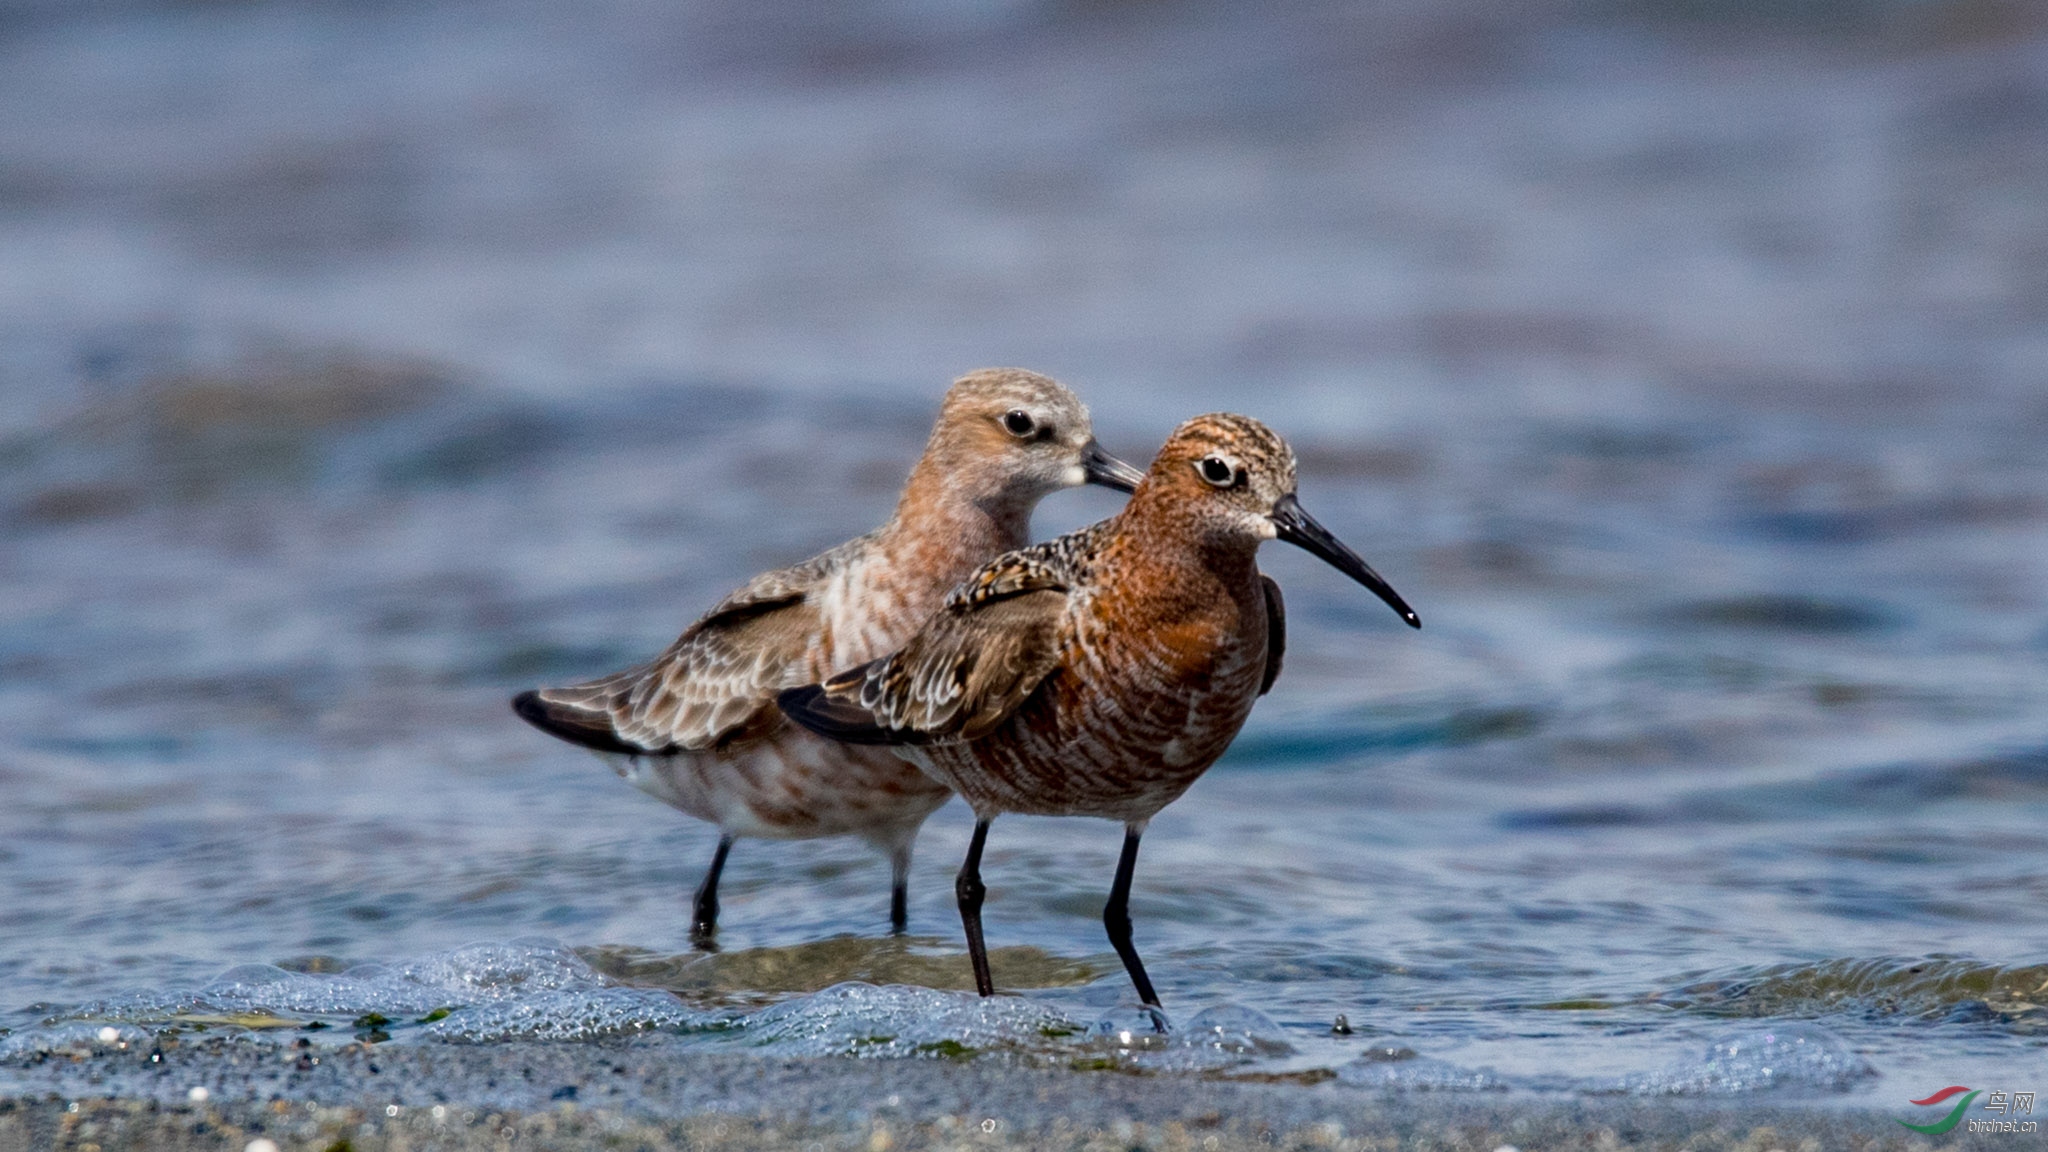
x,y
1158,671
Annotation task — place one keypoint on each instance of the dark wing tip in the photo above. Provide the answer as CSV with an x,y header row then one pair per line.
x,y
1276,632
835,718
577,726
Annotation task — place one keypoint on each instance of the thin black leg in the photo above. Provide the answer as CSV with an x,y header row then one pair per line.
x,y
1116,916
899,890
969,888
704,920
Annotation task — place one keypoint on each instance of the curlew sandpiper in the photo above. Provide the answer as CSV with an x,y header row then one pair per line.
x,y
1100,673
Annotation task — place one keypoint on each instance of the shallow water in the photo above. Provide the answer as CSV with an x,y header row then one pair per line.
x,y
1708,446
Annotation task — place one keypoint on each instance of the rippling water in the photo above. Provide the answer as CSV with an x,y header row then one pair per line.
x,y
1685,377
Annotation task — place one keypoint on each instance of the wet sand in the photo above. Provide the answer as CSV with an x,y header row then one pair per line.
x,y
579,1096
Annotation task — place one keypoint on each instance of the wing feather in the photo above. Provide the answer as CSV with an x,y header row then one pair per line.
x,y
970,667
715,685
1276,632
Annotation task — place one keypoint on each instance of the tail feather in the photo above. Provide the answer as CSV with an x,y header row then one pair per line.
x,y
589,727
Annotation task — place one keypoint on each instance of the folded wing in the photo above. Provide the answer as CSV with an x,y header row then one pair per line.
x,y
714,687
1276,632
970,667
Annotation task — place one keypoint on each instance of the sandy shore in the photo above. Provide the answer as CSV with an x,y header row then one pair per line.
x,y
636,1095
127,1124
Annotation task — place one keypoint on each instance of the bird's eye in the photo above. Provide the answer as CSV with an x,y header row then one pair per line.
x,y
1220,472
1019,423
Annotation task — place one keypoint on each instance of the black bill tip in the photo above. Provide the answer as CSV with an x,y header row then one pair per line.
x,y
1300,529
1102,468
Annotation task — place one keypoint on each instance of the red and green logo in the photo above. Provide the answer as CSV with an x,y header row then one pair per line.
x,y
1955,1114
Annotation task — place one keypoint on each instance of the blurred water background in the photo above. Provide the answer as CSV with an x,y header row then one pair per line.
x,y
1683,363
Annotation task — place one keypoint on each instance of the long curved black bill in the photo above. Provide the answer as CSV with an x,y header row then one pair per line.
x,y
1108,471
1300,529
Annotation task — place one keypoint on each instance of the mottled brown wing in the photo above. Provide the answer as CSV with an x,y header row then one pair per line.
x,y
715,684
967,670
972,664
1276,632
